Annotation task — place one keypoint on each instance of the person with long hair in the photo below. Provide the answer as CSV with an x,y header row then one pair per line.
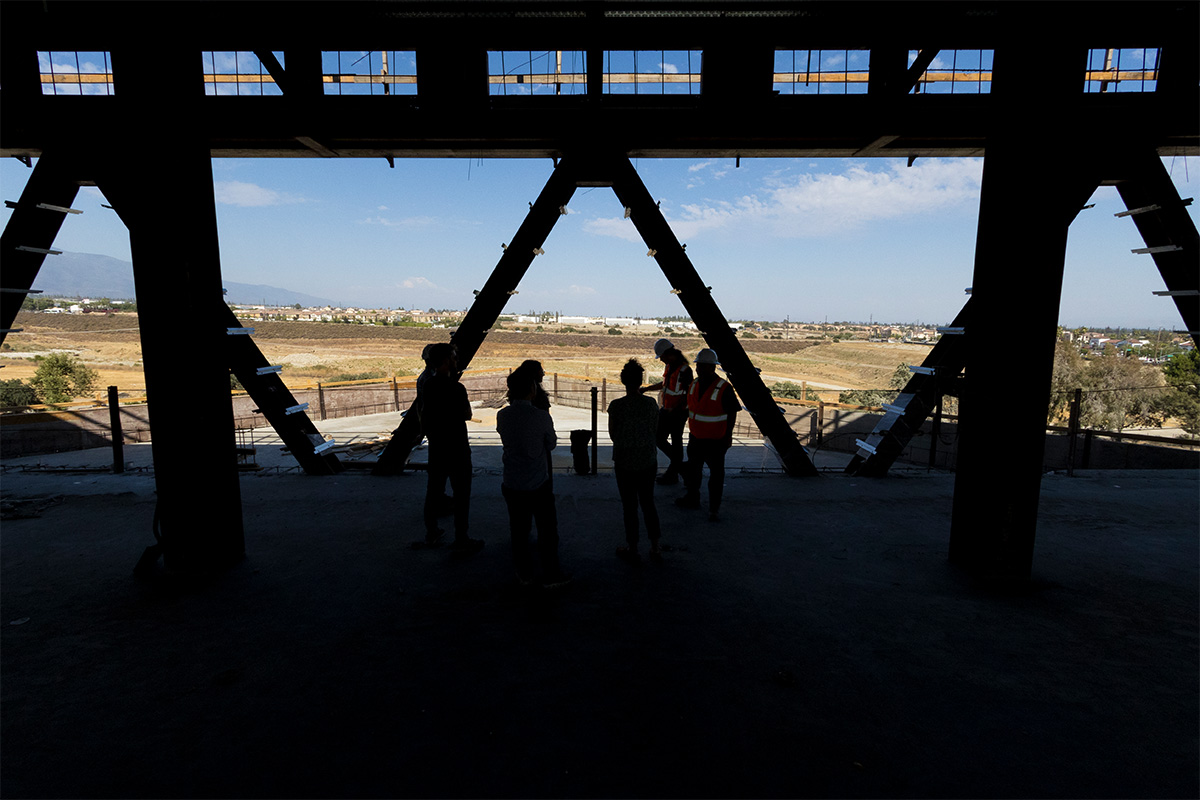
x,y
677,377
527,434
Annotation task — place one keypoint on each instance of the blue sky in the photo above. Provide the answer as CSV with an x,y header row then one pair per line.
x,y
805,238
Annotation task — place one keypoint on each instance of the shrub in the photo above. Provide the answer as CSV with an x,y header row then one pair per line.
x,y
15,392
355,376
867,397
61,377
793,391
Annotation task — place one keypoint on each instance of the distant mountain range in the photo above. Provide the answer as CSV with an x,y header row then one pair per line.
x,y
91,275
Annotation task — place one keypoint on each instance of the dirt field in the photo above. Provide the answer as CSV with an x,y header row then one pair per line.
x,y
313,352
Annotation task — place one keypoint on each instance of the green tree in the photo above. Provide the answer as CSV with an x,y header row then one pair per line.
x,y
1182,374
61,377
1120,392
1069,366
34,303
15,392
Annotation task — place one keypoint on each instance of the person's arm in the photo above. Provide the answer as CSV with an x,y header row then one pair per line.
x,y
464,401
732,406
550,438
685,378
654,387
614,431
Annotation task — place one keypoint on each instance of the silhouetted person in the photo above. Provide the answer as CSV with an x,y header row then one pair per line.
x,y
443,503
632,425
527,433
677,377
540,400
712,411
445,410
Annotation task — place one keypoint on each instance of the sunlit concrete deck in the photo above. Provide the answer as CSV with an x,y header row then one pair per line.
x,y
813,643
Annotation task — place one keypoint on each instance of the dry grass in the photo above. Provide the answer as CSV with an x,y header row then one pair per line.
x,y
313,352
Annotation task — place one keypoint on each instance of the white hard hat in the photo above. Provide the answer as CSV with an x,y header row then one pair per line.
x,y
661,347
707,356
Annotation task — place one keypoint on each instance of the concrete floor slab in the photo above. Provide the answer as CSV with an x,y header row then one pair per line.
x,y
813,643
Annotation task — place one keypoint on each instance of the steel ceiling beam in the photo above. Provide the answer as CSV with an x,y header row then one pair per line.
x,y
736,112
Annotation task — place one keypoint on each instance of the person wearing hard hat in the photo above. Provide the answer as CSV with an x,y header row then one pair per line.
x,y
712,410
672,416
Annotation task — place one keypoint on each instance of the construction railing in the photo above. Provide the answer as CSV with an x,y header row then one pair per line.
x,y
820,425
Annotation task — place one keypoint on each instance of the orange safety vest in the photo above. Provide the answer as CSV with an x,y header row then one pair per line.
x,y
672,395
707,418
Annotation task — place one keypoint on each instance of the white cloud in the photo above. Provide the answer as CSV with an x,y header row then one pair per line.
x,y
382,208
576,289
418,283
669,69
700,166
820,204
615,227
249,195
405,222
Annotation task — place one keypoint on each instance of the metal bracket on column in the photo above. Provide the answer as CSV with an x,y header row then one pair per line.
x,y
51,187
264,385
1154,205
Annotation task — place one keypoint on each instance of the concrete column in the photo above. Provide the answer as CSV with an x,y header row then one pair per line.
x,y
164,194
1029,196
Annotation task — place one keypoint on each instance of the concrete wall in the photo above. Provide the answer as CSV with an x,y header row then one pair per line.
x,y
63,431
